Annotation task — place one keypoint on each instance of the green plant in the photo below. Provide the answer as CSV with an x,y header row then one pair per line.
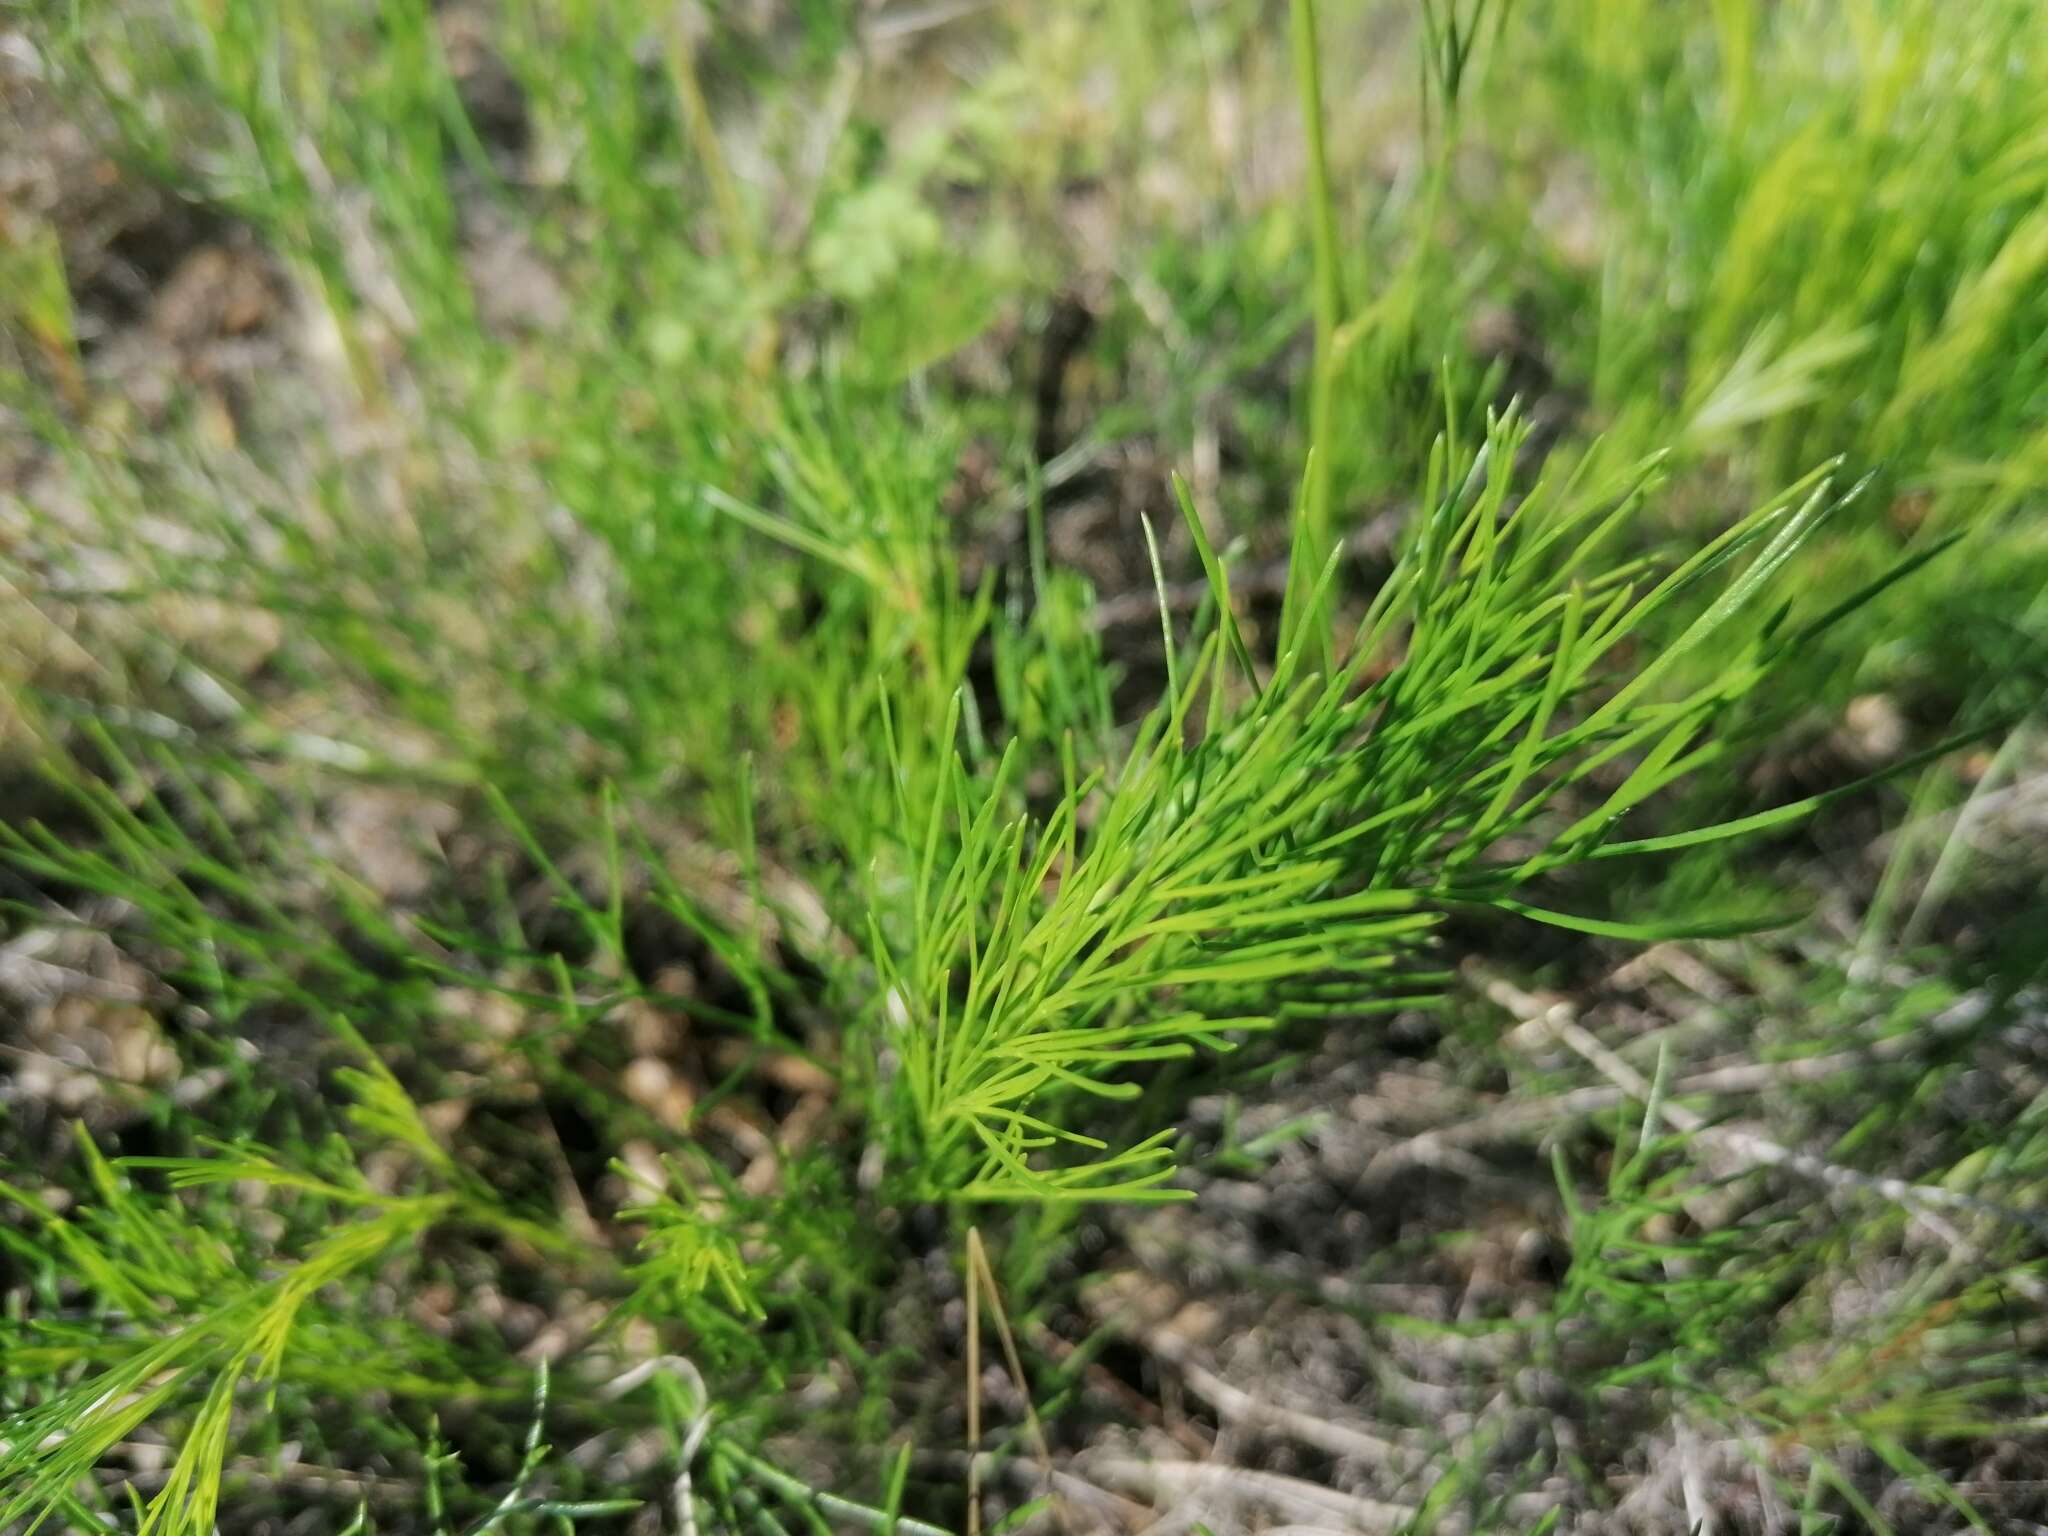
x,y
799,864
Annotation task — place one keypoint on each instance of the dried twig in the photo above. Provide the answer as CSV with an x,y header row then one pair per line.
x,y
1447,1146
1243,1409
1922,1202
1290,1497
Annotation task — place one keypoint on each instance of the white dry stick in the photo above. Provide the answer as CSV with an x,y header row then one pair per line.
x,y
685,1498
1699,1516
1289,1497
683,1492
1241,1408
1293,1500
1920,1201
1444,1146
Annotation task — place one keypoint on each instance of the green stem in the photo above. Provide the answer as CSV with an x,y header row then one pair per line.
x,y
801,1495
1329,309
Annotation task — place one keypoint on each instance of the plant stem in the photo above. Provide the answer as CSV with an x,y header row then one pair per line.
x,y
1329,306
802,1496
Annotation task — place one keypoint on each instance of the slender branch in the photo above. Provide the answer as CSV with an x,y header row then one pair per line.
x,y
1329,309
824,1503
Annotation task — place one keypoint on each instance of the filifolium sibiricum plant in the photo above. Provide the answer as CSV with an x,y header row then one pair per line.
x,y
1271,849
1281,837
1023,916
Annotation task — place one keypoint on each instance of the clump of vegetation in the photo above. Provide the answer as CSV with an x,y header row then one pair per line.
x,y
707,709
